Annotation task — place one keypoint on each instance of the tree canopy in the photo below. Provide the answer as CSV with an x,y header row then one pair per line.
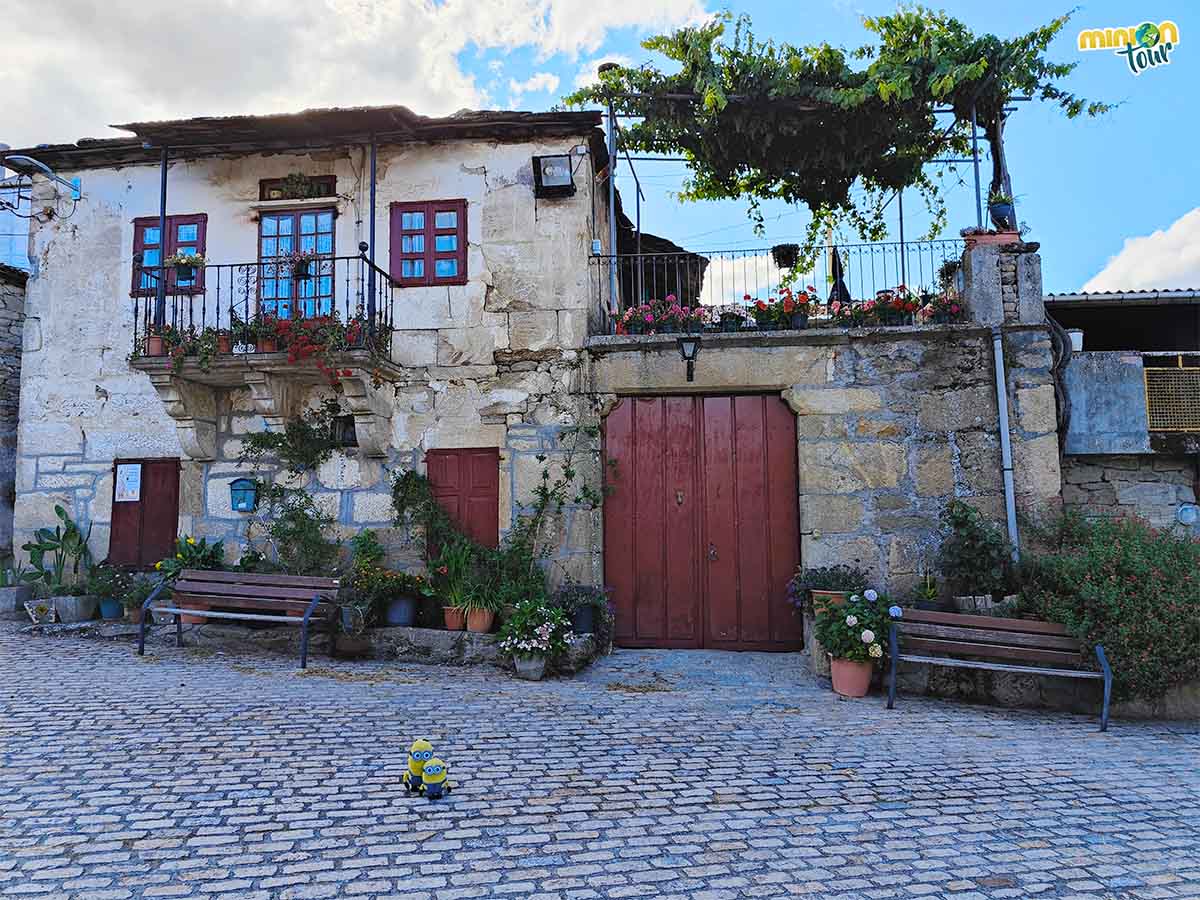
x,y
764,120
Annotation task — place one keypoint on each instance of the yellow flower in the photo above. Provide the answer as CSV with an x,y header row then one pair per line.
x,y
191,540
158,565
179,556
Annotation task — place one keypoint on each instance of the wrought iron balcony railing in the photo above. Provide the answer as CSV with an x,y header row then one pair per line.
x,y
220,295
727,277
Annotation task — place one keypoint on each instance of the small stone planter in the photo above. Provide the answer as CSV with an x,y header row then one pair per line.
x,y
71,610
12,601
40,612
530,669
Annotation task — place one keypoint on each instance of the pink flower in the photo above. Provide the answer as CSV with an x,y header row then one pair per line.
x,y
811,289
670,298
954,308
835,307
650,318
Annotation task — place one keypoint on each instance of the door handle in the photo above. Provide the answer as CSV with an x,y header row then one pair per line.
x,y
712,551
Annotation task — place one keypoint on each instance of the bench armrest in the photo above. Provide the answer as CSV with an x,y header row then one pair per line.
x,y
154,595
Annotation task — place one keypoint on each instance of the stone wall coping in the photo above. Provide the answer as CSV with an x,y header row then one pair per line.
x,y
599,345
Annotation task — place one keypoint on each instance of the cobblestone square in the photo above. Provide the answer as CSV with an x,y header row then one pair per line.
x,y
668,774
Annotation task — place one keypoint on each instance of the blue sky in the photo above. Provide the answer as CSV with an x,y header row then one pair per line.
x,y
1082,186
1112,200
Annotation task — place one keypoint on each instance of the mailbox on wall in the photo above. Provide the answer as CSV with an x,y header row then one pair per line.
x,y
244,495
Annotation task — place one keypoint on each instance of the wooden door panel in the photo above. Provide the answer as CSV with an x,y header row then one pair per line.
x,y
160,510
783,518
619,512
750,480
720,523
649,550
681,510
466,482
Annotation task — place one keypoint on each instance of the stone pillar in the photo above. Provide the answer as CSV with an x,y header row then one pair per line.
x,y
1002,280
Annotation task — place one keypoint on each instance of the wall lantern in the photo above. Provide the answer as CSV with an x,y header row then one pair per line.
x,y
689,349
243,495
553,176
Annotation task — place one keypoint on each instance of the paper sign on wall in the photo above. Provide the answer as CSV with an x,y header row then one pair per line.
x,y
129,483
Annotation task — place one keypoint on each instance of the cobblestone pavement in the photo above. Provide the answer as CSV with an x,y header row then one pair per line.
x,y
700,775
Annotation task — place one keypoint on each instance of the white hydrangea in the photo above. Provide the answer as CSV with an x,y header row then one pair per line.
x,y
868,636
851,621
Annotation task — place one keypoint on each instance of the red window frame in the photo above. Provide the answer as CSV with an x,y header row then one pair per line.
x,y
429,233
171,244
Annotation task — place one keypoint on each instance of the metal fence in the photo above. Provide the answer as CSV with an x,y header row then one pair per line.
x,y
216,296
721,277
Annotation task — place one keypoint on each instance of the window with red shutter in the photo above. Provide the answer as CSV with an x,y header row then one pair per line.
x,y
467,485
185,234
429,243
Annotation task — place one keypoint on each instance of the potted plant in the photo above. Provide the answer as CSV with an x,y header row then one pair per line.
x,y
732,318
49,553
16,587
109,585
816,588
300,262
794,309
156,343
766,315
852,633
976,557
243,332
942,308
224,340
191,553
1001,211
457,587
534,633
786,255
267,332
137,591
587,606
481,607
184,264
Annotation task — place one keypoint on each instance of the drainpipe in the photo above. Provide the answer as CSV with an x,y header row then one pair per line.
x,y
1006,458
160,283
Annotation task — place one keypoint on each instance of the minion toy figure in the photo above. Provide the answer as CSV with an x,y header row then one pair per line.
x,y
433,776
419,755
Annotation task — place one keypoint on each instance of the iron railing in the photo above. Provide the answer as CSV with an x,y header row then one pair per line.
x,y
218,295
727,277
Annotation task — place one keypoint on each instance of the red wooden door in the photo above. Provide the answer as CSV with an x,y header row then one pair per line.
x,y
467,485
700,527
145,528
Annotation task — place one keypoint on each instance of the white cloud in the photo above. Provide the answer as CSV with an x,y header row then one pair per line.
x,y
539,83
1165,259
73,66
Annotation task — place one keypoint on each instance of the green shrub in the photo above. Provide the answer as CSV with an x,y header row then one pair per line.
x,y
856,629
296,529
1130,587
192,554
975,555
850,579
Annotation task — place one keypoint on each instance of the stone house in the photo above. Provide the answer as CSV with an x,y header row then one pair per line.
x,y
780,448
12,314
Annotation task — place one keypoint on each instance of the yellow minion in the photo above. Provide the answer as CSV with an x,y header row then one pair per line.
x,y
419,755
433,776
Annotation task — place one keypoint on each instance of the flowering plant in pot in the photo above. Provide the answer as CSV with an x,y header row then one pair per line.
x,y
852,633
191,553
640,319
184,264
300,262
940,308
481,606
731,317
269,328
108,584
455,581
794,309
138,589
533,633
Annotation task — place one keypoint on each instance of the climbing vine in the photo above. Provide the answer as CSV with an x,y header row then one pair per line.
x,y
304,444
764,120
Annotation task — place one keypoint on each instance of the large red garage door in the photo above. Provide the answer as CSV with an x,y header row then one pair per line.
x,y
700,526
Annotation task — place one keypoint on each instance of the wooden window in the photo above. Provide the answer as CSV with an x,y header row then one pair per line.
x,y
295,189
467,485
185,234
429,243
283,291
145,511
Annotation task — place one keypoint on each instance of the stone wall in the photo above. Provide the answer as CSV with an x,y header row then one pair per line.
x,y
891,424
1148,486
12,317
494,363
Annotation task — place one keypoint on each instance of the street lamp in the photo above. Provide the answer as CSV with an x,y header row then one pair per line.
x,y
689,349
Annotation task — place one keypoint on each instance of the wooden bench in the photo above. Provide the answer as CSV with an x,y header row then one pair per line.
x,y
1023,646
279,599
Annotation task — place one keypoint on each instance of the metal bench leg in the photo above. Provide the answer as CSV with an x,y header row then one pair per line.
x,y
893,652
1100,655
333,633
146,616
304,631
178,630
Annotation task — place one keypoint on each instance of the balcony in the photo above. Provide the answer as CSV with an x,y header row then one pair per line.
x,y
226,326
726,278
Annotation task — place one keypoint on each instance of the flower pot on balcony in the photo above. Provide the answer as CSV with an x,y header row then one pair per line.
x,y
224,342
268,344
185,273
851,678
455,617
1003,216
799,321
731,323
785,255
301,268
156,345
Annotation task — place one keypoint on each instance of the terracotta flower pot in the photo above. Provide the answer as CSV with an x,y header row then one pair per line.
x,y
135,614
821,599
456,618
224,343
480,621
268,344
851,678
156,345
